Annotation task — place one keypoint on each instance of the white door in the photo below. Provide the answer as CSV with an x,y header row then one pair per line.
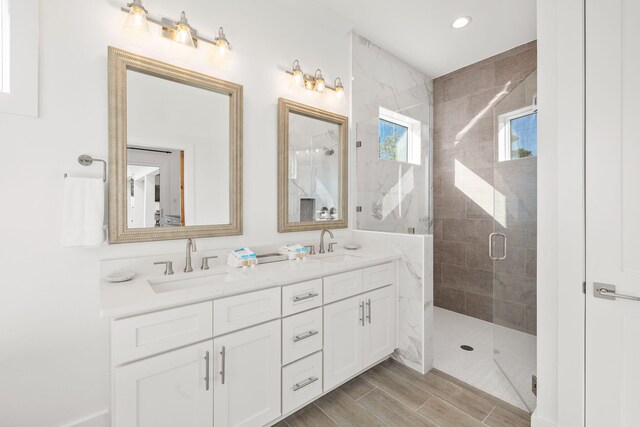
x,y
247,376
380,324
343,340
172,389
613,212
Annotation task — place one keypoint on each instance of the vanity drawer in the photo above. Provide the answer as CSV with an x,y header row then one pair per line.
x,y
301,296
301,382
237,312
140,336
301,335
342,285
379,276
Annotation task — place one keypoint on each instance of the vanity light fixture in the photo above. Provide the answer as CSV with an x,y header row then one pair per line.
x,y
314,82
179,31
137,18
320,85
461,22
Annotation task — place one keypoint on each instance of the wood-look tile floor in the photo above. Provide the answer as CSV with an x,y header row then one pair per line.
x,y
391,394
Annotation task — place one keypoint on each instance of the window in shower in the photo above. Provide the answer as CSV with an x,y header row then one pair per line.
x,y
399,137
518,134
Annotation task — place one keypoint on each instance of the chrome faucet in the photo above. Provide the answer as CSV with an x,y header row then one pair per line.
x,y
321,250
191,247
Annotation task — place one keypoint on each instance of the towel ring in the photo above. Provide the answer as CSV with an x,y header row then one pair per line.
x,y
86,160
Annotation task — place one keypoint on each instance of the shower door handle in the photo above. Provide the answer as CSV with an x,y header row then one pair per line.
x,y
504,246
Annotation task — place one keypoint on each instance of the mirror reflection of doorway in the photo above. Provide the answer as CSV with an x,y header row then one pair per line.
x,y
156,187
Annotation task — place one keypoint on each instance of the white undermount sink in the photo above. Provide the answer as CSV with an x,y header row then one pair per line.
x,y
167,284
339,258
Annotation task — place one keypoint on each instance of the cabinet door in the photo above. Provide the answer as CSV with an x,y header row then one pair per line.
x,y
343,340
247,380
380,324
171,389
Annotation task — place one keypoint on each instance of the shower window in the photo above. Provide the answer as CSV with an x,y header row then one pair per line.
x,y
399,137
518,134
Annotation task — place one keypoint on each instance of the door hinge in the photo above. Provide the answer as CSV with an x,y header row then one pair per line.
x,y
534,385
584,287
358,144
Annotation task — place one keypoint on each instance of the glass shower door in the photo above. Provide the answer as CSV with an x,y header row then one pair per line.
x,y
512,244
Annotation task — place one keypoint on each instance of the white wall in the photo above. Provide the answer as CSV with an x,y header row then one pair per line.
x,y
53,346
560,214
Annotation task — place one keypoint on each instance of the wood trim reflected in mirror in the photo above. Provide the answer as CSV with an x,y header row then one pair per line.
x,y
285,108
119,62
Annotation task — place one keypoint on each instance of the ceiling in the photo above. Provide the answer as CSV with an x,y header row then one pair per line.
x,y
419,31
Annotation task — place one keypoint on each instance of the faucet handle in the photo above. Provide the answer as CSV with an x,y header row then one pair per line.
x,y
205,262
331,245
168,270
312,249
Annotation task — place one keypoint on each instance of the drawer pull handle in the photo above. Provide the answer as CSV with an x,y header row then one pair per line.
x,y
304,336
206,375
223,353
304,297
304,383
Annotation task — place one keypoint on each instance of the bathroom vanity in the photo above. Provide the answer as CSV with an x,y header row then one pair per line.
x,y
232,347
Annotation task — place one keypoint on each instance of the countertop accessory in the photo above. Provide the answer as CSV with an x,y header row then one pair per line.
x,y
351,246
122,276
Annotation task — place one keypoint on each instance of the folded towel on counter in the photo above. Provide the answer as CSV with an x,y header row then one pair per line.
x,y
83,216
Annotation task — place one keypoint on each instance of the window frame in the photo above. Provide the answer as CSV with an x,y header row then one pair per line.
x,y
23,50
504,131
414,134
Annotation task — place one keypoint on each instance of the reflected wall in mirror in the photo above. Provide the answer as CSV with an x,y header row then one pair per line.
x,y
175,152
312,168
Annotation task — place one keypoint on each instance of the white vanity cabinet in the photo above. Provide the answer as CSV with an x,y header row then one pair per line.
x,y
171,389
247,379
251,358
361,330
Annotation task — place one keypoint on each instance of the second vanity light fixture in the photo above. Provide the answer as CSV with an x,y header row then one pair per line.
x,y
315,82
179,31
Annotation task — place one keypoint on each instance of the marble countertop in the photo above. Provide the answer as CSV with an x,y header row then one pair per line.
x,y
138,296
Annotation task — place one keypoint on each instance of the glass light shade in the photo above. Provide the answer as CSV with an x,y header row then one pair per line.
x,y
339,91
297,76
137,20
183,35
320,85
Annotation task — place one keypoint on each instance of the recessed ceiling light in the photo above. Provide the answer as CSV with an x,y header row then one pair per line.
x,y
461,22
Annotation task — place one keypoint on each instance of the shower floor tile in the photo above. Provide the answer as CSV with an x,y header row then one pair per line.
x,y
504,371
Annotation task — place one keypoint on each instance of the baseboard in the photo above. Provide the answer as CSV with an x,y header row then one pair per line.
x,y
101,419
537,421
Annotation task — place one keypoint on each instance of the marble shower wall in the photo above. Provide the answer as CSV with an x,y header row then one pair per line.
x,y
415,293
465,175
393,195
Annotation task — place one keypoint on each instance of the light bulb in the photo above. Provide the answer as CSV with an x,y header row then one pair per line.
x,y
320,85
183,32
137,18
461,22
339,88
297,73
222,43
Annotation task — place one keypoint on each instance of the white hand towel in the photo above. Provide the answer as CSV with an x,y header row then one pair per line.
x,y
83,215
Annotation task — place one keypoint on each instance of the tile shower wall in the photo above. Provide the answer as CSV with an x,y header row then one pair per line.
x,y
465,174
394,196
